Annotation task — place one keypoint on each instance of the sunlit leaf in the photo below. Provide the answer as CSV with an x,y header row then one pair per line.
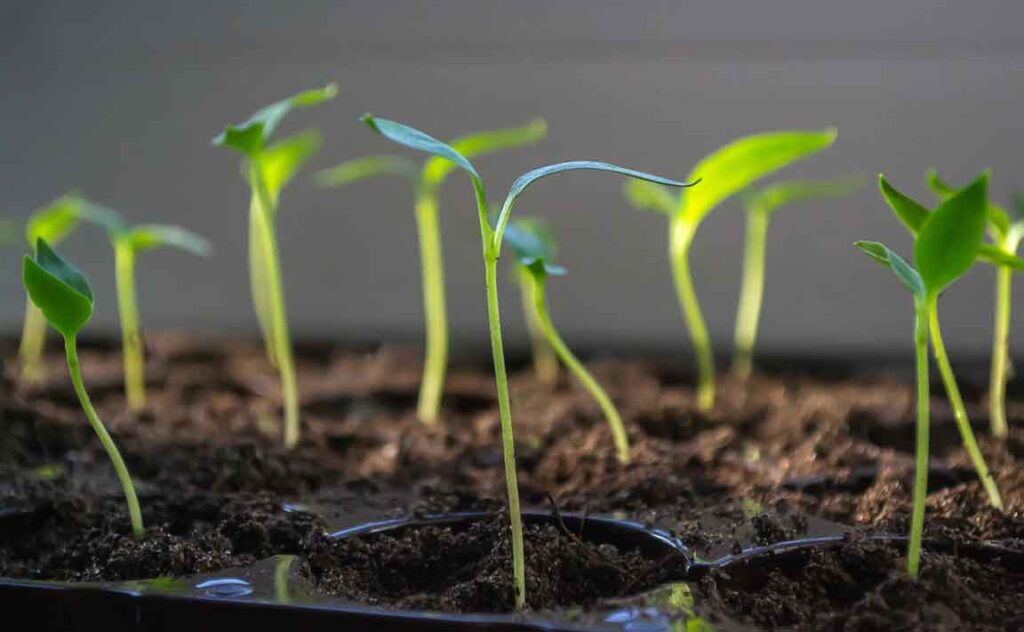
x,y
998,217
948,243
912,213
647,196
58,289
55,221
938,186
779,194
281,161
903,271
472,145
369,167
147,236
250,136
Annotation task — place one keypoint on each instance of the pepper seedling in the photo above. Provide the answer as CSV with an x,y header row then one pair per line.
x,y
127,241
916,217
267,169
761,206
545,361
727,171
533,247
427,180
491,238
62,294
1006,228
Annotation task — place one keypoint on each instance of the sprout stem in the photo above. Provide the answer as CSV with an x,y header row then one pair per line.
x,y
959,411
131,338
257,278
275,303
1000,353
435,363
680,238
581,373
71,349
751,292
545,362
33,343
921,450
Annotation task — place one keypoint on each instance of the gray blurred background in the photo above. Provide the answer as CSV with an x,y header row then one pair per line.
x,y
119,100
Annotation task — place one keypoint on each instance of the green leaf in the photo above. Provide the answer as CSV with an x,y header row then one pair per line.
x,y
647,196
54,221
993,254
106,218
533,245
949,241
250,136
414,139
368,167
742,162
148,236
912,213
938,186
903,271
779,194
58,289
998,217
437,169
281,161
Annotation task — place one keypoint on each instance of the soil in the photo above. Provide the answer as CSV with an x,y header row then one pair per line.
x,y
802,450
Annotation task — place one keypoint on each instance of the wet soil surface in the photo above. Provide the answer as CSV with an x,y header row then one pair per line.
x,y
802,450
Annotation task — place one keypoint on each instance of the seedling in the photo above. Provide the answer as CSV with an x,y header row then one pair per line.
x,y
1006,229
533,247
545,361
62,294
127,241
267,169
761,206
728,170
427,180
491,238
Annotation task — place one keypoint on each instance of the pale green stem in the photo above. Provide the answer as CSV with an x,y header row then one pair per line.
x,y
751,292
282,569
1001,340
959,411
33,343
134,512
278,315
435,363
257,277
581,373
545,362
680,238
131,337
921,449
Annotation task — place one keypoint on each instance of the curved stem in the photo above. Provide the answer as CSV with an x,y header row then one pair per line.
x,y
131,338
680,238
545,362
278,314
135,514
921,449
33,344
959,411
751,292
435,363
581,373
1000,353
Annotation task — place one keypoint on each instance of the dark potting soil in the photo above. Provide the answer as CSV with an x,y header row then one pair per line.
x,y
797,452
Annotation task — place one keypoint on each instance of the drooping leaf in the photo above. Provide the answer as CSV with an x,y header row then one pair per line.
x,y
912,213
739,164
55,221
647,196
281,161
103,216
533,245
949,241
414,139
148,236
368,167
58,289
778,194
437,169
903,271
250,136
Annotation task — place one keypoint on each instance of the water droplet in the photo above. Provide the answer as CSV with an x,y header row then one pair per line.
x,y
226,587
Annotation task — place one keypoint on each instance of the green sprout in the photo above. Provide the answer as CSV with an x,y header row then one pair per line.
x,y
545,360
427,180
1006,230
62,294
728,170
491,238
128,241
946,244
761,206
533,247
267,169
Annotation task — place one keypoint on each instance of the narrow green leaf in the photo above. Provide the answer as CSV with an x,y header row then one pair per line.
x,y
55,221
938,186
992,254
58,289
368,167
647,196
149,236
742,162
949,241
909,211
281,161
437,169
903,271
414,139
998,217
778,194
250,136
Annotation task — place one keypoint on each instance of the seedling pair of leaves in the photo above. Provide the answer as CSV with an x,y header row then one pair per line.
x,y
491,238
427,180
268,168
946,244
726,171
63,296
1006,228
